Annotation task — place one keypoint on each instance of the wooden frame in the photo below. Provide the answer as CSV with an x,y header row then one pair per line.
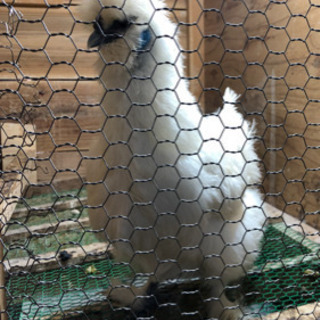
x,y
17,151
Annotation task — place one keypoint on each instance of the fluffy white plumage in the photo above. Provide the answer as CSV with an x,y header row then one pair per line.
x,y
173,190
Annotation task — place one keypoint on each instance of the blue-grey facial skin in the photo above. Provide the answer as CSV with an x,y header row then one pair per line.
x,y
145,38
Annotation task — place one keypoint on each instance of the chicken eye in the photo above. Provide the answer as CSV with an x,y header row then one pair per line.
x,y
120,26
102,35
116,27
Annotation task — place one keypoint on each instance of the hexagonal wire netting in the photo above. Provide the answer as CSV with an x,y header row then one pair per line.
x,y
180,225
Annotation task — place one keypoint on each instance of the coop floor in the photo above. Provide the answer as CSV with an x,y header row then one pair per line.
x,y
286,274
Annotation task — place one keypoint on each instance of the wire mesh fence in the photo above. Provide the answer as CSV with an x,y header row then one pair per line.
x,y
119,199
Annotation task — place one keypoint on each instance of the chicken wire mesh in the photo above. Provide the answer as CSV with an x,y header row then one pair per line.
x,y
55,105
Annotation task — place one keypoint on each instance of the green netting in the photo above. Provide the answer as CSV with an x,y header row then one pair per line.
x,y
46,294
280,289
277,245
286,272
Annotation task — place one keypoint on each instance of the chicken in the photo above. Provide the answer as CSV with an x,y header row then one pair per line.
x,y
173,190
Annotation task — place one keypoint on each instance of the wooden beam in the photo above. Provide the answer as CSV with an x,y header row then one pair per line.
x,y
50,261
19,149
295,224
46,208
310,311
196,49
11,188
45,228
181,4
41,3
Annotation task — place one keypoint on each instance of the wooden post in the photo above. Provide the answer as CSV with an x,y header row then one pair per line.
x,y
196,48
17,172
3,298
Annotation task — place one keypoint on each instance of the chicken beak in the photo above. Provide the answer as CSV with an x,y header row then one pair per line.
x,y
95,39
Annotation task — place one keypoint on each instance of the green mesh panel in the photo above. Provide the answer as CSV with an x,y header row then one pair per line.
x,y
280,289
276,245
43,295
282,277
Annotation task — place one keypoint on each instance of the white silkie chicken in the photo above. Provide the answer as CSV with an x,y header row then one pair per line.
x,y
173,190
